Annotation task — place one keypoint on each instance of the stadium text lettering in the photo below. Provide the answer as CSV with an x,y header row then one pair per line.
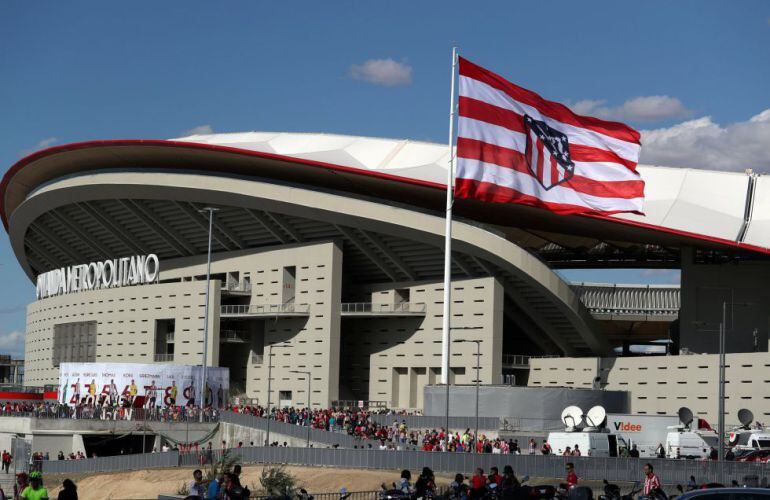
x,y
135,270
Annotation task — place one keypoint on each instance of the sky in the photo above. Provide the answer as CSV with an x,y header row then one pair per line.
x,y
693,76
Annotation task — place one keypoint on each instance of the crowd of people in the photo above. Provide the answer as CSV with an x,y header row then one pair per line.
x,y
30,487
359,423
105,410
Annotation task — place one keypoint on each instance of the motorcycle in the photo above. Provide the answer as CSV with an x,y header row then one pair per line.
x,y
612,491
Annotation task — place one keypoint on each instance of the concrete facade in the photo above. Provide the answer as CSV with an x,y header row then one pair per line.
x,y
660,385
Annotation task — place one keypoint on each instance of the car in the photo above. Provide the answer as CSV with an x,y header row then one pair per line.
x,y
727,494
755,456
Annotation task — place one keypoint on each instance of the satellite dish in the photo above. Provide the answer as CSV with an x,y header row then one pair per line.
x,y
745,417
572,416
685,416
596,416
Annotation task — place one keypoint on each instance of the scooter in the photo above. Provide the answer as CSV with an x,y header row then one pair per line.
x,y
612,491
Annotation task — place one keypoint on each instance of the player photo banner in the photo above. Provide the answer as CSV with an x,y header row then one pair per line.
x,y
153,384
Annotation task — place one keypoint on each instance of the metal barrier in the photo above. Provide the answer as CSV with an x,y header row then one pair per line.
x,y
137,461
437,422
290,309
369,308
671,472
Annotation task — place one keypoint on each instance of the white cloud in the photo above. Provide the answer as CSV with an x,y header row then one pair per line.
x,y
386,72
199,130
12,343
651,108
42,144
702,143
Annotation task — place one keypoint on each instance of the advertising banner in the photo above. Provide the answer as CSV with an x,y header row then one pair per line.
x,y
149,384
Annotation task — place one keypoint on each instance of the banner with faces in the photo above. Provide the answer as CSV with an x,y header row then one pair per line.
x,y
156,384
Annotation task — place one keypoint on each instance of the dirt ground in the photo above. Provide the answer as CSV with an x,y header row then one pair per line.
x,y
148,484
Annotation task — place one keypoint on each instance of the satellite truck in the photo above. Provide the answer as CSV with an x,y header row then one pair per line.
x,y
601,435
745,438
588,432
683,442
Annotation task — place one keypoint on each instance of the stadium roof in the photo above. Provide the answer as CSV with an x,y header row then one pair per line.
x,y
718,213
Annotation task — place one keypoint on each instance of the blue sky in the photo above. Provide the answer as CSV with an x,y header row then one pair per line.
x,y
73,71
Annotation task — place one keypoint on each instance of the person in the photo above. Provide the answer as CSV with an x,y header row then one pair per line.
x,y
651,481
60,456
458,490
495,477
214,486
426,484
730,455
478,484
714,454
197,488
572,478
7,457
510,483
692,484
532,446
403,482
22,481
232,488
35,490
567,451
76,392
546,448
132,392
576,451
634,453
68,490
660,451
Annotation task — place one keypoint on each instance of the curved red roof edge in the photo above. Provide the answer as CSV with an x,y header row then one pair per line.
x,y
314,163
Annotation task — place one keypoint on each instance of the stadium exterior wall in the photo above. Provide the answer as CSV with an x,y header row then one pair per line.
x,y
521,408
660,385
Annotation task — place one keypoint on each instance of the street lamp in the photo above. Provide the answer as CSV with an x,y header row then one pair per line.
x,y
269,380
308,375
478,367
210,211
722,364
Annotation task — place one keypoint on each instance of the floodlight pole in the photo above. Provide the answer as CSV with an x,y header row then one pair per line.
x,y
210,211
478,380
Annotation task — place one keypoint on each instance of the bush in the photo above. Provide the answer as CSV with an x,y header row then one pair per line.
x,y
224,464
276,481
183,490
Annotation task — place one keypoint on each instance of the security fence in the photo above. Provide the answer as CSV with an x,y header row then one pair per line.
x,y
137,461
671,472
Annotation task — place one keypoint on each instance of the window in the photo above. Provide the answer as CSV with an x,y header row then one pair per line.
x,y
164,340
74,342
289,284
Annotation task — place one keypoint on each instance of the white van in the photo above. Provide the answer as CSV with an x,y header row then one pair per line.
x,y
749,440
592,444
684,443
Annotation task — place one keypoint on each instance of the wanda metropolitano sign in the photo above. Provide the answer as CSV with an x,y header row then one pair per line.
x,y
159,384
110,273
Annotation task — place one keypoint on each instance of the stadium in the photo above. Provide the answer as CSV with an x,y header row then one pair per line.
x,y
328,258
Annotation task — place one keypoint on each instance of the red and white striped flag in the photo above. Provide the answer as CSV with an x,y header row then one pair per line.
x,y
513,146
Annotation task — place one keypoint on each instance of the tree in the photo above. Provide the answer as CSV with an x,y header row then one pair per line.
x,y
276,481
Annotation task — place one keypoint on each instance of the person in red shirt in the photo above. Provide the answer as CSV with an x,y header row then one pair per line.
x,y
495,477
572,478
478,484
651,481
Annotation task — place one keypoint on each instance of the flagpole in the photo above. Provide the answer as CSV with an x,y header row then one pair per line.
x,y
445,331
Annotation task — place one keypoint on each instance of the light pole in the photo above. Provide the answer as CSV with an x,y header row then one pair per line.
x,y
478,368
308,375
269,385
722,364
210,211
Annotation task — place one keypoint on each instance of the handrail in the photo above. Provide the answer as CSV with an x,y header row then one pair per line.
x,y
371,307
163,358
232,335
244,309
523,359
